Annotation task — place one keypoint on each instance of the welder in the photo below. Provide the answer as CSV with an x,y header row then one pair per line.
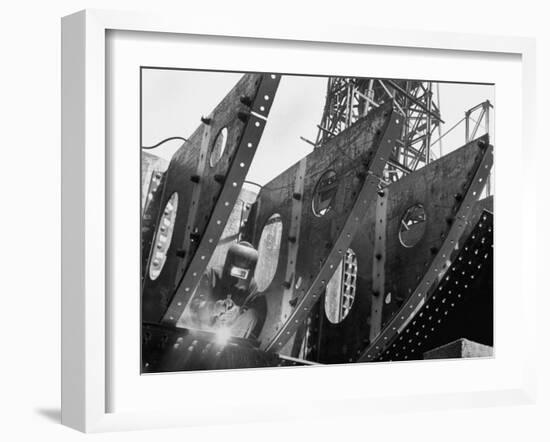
x,y
227,298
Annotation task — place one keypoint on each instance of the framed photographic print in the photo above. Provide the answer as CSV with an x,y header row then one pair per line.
x,y
267,216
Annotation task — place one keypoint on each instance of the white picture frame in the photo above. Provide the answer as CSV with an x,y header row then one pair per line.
x,y
86,316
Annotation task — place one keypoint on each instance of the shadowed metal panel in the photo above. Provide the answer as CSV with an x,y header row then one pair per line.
x,y
207,193
440,187
450,312
357,156
438,266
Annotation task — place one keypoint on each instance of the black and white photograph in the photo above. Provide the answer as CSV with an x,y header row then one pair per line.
x,y
296,220
266,221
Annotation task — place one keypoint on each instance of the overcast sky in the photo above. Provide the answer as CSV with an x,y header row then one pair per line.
x,y
173,102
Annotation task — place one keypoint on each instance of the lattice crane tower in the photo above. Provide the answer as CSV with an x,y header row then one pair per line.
x,y
349,99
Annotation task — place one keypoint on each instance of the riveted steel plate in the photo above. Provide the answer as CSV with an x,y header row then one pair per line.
x,y
439,265
439,188
355,160
469,271
207,189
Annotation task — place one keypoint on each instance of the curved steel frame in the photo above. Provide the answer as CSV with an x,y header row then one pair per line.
x,y
474,261
233,181
365,197
439,265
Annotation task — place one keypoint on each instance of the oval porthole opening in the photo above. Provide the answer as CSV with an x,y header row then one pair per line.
x,y
163,237
412,226
324,193
268,252
341,289
219,147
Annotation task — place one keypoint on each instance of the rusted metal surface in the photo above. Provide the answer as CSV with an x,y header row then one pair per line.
x,y
294,238
379,264
439,265
442,317
440,187
408,293
207,192
357,158
168,349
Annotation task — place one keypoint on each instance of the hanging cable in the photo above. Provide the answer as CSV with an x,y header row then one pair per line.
x,y
164,141
253,183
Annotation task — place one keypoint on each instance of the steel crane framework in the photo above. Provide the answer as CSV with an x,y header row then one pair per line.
x,y
349,99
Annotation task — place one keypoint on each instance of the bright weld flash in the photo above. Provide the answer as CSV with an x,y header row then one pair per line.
x,y
222,336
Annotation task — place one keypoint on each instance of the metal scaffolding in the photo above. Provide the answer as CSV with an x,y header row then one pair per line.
x,y
349,99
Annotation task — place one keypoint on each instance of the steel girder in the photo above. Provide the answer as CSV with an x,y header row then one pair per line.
x,y
207,191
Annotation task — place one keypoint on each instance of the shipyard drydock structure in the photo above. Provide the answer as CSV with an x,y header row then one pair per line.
x,y
369,248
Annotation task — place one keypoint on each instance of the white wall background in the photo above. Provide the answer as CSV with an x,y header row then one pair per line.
x,y
30,291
